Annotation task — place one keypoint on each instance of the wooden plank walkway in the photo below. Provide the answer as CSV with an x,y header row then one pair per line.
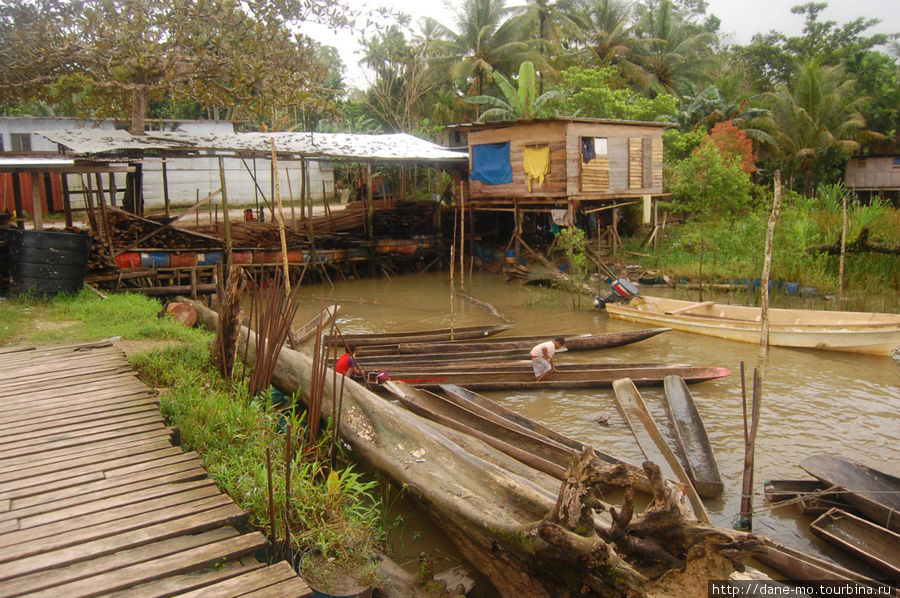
x,y
96,501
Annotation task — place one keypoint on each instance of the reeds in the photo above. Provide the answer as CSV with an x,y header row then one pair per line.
x,y
272,326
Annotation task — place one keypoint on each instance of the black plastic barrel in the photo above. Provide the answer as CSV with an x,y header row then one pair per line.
x,y
5,235
47,262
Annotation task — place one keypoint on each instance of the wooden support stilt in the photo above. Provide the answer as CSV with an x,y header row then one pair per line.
x,y
67,200
165,177
37,212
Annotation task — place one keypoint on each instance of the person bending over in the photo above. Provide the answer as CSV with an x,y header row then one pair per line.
x,y
542,357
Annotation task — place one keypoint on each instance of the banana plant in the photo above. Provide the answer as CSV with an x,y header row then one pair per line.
x,y
518,102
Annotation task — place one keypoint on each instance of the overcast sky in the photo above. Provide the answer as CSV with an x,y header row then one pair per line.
x,y
740,20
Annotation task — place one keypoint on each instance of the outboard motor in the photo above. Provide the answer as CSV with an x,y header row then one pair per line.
x,y
623,290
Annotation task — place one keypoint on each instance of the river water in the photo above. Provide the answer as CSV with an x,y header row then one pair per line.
x,y
813,401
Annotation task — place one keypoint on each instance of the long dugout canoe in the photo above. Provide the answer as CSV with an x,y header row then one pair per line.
x,y
691,440
874,493
574,342
436,335
524,380
857,332
878,546
650,440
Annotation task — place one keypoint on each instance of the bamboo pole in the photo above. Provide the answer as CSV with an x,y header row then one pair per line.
x,y
104,215
67,198
280,217
452,274
287,176
225,212
745,520
165,176
462,238
767,265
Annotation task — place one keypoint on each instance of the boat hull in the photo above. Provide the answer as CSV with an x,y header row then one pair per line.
x,y
857,332
872,543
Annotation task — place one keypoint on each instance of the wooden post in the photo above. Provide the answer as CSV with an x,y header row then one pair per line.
x,y
767,265
17,199
287,176
67,201
106,226
843,252
517,228
614,236
165,175
37,212
280,217
112,189
370,207
745,520
656,222
88,191
225,213
462,238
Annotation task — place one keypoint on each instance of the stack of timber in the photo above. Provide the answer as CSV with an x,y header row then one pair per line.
x,y
96,500
521,344
514,523
131,232
691,441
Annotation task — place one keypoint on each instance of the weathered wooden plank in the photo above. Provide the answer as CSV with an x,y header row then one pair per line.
x,y
61,481
116,459
181,562
250,582
59,459
5,505
20,544
117,372
26,383
85,569
26,359
110,502
178,585
34,447
84,430
49,425
186,521
58,365
177,472
31,408
290,588
54,396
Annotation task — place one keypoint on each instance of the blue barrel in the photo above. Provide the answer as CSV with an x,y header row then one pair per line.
x,y
47,262
210,258
154,259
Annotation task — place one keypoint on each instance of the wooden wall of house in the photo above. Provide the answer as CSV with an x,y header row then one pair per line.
x,y
873,172
633,165
520,135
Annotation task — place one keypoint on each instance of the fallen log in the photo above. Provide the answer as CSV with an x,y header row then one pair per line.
x,y
860,245
507,518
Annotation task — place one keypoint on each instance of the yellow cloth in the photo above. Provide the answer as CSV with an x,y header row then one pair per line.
x,y
537,163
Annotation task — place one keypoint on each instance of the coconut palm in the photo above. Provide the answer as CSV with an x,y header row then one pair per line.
x,y
673,53
549,25
815,122
605,27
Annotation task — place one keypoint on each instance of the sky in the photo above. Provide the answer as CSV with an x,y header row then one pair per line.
x,y
741,19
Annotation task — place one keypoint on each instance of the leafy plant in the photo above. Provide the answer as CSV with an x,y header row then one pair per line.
x,y
521,102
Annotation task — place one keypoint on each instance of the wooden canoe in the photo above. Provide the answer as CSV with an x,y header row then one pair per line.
x,y
441,334
524,380
509,366
309,328
875,494
859,332
574,342
637,417
878,546
691,441
780,490
809,496
523,444
801,566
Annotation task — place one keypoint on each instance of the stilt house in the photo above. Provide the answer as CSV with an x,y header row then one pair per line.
x,y
872,176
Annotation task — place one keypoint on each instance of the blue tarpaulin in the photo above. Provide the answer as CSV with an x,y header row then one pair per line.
x,y
490,163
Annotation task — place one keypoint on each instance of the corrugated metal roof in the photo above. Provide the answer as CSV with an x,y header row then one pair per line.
x,y
36,163
395,146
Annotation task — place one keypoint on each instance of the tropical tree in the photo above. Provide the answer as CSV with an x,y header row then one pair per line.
x,y
606,32
814,124
597,93
550,26
712,106
710,185
674,53
120,55
484,41
518,103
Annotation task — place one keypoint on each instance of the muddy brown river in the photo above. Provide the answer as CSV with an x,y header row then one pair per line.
x,y
813,401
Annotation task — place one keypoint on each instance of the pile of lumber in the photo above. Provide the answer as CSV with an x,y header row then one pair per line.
x,y
135,232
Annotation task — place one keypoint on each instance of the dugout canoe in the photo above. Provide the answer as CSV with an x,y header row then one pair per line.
x,y
858,332
507,366
524,379
518,441
780,490
417,336
876,545
874,493
637,417
801,566
691,441
574,342
810,496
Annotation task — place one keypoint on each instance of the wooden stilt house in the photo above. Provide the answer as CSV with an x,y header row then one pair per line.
x,y
561,164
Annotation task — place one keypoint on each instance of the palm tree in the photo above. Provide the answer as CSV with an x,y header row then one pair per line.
x,y
550,26
674,53
712,106
483,42
814,122
605,27
523,102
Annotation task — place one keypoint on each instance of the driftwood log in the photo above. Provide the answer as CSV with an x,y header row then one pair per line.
x,y
860,245
522,530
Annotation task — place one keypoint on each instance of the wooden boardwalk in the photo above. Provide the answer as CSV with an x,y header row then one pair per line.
x,y
95,499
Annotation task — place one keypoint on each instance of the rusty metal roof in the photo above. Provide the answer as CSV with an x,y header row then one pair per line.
x,y
347,146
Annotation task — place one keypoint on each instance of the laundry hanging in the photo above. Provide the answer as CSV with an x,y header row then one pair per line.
x,y
588,152
490,163
536,161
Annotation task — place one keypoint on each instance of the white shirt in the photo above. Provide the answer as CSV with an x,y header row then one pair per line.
x,y
538,351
